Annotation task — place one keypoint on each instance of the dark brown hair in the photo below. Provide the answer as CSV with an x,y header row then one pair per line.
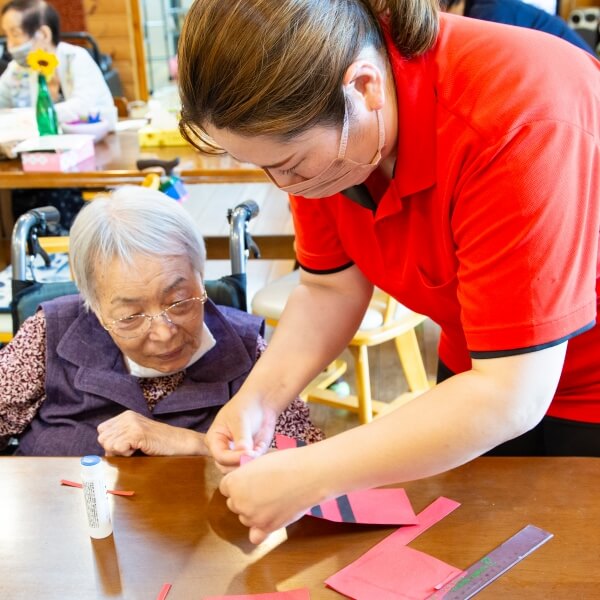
x,y
36,13
275,67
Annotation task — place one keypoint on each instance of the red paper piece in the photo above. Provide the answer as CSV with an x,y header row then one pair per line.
x,y
429,516
284,442
79,485
300,594
164,590
245,459
388,571
392,572
380,506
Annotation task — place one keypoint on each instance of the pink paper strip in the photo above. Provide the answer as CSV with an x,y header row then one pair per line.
x,y
379,506
284,442
164,590
79,485
429,516
381,571
300,594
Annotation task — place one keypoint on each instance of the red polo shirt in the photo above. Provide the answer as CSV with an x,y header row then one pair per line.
x,y
490,225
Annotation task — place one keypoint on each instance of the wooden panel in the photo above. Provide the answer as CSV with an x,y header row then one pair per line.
x,y
115,25
566,6
72,15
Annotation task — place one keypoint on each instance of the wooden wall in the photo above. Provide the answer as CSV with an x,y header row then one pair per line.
x,y
116,25
566,6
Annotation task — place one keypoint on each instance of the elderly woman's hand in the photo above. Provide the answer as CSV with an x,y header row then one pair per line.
x,y
128,432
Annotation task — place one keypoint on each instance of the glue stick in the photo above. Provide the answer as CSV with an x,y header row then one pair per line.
x,y
95,497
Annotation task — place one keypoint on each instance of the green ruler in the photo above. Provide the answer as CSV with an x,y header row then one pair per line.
x,y
496,563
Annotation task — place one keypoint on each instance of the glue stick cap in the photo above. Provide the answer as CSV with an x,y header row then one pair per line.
x,y
90,460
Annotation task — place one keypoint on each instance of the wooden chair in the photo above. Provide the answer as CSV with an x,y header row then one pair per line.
x,y
384,320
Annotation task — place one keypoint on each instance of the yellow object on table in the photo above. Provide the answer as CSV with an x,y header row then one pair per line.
x,y
149,137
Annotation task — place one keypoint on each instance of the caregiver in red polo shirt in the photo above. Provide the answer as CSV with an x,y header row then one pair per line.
x,y
451,162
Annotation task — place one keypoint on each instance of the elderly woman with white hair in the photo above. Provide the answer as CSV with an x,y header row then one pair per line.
x,y
141,360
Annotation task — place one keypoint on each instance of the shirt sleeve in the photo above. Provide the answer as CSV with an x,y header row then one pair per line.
x,y
318,245
525,224
23,375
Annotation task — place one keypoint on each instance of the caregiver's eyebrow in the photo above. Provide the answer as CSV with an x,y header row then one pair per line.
x,y
273,166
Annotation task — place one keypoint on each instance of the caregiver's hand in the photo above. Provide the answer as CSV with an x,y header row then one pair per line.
x,y
272,491
245,425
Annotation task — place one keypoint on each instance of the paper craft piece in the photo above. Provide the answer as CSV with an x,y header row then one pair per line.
x,y
283,442
369,507
164,590
79,485
386,506
428,517
245,459
391,572
300,594
387,570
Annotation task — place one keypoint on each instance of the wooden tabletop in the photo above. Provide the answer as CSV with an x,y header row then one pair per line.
x,y
177,529
115,164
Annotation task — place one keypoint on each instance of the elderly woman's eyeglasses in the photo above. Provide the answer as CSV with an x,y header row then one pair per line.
x,y
179,313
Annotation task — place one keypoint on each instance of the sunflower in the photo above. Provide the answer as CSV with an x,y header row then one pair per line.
x,y
43,62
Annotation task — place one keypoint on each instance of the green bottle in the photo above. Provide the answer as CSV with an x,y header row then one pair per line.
x,y
45,112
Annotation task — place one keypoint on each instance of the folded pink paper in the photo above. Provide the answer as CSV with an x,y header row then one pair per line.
x,y
300,594
391,570
379,506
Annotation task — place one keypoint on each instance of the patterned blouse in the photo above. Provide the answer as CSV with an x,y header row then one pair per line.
x,y
23,375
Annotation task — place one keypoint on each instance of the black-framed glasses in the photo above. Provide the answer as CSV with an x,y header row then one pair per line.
x,y
179,313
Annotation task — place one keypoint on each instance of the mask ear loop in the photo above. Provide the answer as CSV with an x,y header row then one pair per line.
x,y
381,137
345,130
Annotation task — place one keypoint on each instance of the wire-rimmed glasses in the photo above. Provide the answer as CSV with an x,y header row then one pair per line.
x,y
179,313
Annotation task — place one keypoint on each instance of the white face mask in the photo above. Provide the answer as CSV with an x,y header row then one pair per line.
x,y
20,53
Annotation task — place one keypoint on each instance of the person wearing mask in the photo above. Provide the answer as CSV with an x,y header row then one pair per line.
x,y
77,88
454,164
515,12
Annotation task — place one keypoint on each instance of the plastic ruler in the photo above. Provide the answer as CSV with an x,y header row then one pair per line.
x,y
496,563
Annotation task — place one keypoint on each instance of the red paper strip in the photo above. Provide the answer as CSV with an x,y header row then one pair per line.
x,y
300,594
78,485
390,568
164,591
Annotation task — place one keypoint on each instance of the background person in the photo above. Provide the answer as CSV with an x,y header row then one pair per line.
x,y
453,163
142,361
515,12
77,88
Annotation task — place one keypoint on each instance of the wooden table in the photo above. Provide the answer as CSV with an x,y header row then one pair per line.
x,y
177,529
115,164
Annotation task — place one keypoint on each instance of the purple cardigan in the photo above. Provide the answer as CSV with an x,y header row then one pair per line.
x,y
87,383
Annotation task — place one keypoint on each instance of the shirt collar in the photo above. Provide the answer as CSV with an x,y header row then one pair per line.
x,y
416,98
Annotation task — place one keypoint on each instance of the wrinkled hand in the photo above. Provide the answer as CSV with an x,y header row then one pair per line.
x,y
128,432
243,426
271,492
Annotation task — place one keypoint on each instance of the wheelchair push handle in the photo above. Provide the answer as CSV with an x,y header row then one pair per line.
x,y
36,222
240,241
